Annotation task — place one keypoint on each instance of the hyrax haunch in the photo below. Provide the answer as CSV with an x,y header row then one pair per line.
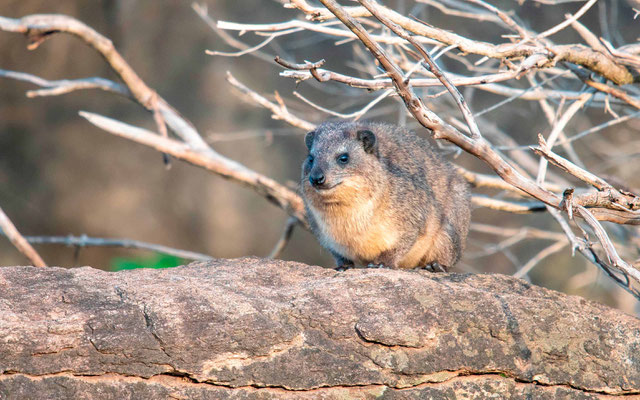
x,y
377,194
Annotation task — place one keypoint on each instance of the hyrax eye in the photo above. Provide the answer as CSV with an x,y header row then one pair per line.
x,y
310,159
343,158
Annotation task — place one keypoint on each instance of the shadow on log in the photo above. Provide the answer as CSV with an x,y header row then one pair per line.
x,y
252,328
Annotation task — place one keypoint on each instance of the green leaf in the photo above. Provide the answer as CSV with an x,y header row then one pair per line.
x,y
154,261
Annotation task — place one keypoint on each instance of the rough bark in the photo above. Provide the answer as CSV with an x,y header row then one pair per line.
x,y
253,328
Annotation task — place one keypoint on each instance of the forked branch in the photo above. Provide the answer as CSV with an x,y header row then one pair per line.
x,y
193,148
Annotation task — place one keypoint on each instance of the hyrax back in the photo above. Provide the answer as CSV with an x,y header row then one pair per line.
x,y
379,194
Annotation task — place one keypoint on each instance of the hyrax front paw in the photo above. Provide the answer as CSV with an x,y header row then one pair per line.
x,y
434,267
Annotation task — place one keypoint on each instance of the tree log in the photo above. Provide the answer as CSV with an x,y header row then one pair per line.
x,y
253,328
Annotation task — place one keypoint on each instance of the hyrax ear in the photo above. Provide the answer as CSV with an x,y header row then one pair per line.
x,y
308,139
368,140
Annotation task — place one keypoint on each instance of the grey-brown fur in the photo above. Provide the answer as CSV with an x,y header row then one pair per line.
x,y
395,201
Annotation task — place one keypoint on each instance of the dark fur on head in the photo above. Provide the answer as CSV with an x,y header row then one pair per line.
x,y
327,144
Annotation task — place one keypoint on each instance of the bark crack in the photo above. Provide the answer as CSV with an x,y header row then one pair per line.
x,y
176,378
362,337
150,324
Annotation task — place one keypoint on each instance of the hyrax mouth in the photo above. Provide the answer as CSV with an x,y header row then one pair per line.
x,y
327,189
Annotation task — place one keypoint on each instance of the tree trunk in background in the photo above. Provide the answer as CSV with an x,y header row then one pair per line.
x,y
252,328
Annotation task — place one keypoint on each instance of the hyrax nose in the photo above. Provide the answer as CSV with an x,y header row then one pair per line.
x,y
317,178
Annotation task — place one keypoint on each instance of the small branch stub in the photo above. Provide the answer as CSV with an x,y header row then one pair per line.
x,y
567,202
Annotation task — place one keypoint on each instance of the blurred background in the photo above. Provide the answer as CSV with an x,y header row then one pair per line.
x,y
60,175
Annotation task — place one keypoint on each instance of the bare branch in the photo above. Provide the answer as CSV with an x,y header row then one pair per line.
x,y
544,253
455,93
441,130
618,93
584,56
530,232
40,27
306,66
504,17
591,39
491,181
585,248
291,26
470,12
279,111
582,134
609,249
86,241
482,82
356,114
267,187
568,21
612,204
551,118
557,130
582,174
11,232
284,239
242,52
203,13
55,88
509,206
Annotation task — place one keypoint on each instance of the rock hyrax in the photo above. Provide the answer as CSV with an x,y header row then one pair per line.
x,y
377,194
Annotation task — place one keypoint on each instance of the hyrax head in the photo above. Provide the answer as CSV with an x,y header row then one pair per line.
x,y
342,163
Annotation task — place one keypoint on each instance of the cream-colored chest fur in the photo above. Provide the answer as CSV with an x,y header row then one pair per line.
x,y
358,233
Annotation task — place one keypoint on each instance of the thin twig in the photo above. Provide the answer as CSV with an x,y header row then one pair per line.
x,y
495,182
241,52
557,129
501,246
354,115
509,206
86,241
544,151
532,233
618,93
504,17
544,253
203,13
325,28
472,13
11,232
55,88
279,112
608,246
551,118
568,21
284,239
